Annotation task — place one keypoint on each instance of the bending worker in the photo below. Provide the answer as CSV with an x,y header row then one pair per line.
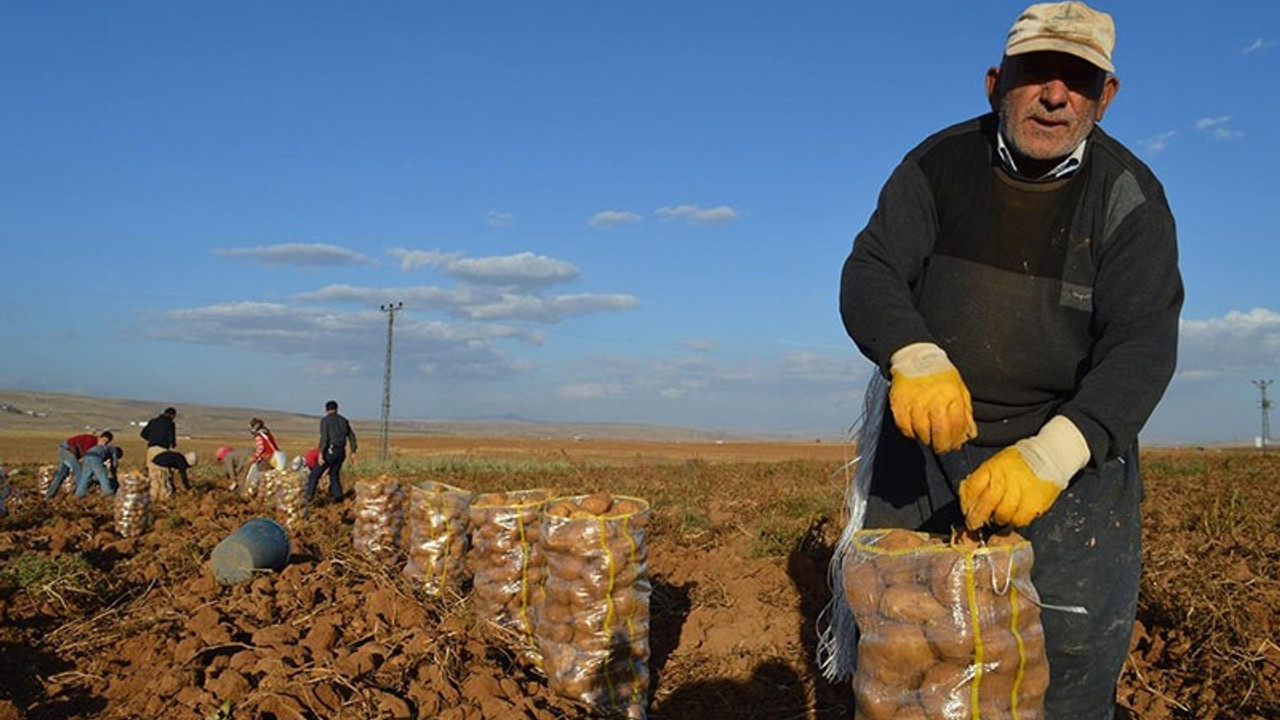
x,y
1018,285
70,453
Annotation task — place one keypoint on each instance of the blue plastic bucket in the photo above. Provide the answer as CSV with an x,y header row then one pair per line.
x,y
260,545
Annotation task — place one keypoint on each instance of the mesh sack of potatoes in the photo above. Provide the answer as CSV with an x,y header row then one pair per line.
x,y
948,628
161,482
133,505
439,518
506,563
285,493
46,473
379,520
593,621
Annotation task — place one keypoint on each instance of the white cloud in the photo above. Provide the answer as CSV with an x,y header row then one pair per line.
x,y
476,303
338,342
1236,342
334,368
1207,122
411,260
548,309
521,270
609,218
499,219
1257,45
820,366
1218,128
421,297
297,254
590,391
1157,144
699,216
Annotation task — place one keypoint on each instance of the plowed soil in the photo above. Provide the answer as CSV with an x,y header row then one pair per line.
x,y
96,625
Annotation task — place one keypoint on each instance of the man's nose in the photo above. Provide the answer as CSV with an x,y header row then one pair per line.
x,y
1053,93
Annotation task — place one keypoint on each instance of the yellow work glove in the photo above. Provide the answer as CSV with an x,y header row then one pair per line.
x,y
1019,483
929,400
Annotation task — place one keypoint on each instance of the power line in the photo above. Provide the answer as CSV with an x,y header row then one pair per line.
x,y
1265,405
390,309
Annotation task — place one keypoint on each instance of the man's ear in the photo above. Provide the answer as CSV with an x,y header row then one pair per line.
x,y
993,88
1110,87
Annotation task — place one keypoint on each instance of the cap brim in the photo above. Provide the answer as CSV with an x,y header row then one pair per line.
x,y
1084,52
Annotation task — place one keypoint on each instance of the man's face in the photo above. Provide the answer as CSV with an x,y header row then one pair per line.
x,y
1048,101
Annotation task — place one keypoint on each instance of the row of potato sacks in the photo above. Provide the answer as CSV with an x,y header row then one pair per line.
x,y
561,580
948,628
280,492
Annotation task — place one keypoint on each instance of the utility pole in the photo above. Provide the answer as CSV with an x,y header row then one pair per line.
x,y
390,309
1265,404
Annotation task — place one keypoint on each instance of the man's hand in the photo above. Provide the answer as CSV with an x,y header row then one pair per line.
x,y
1020,483
928,398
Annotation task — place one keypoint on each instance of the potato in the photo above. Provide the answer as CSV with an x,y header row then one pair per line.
x,y
876,701
626,506
900,570
945,692
862,588
910,712
910,604
899,540
896,655
951,641
995,694
1035,680
596,503
946,579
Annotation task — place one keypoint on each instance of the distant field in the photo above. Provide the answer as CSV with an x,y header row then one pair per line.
x,y
33,424
31,446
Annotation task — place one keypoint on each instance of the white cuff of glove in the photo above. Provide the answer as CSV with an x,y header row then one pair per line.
x,y
920,359
1057,452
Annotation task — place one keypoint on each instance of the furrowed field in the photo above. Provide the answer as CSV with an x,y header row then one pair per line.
x,y
95,625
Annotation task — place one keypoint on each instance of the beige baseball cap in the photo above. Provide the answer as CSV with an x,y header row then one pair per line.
x,y
1070,27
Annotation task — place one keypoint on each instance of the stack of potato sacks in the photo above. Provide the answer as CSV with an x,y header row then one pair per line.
x,y
439,519
561,581
507,563
593,621
947,630
379,518
133,505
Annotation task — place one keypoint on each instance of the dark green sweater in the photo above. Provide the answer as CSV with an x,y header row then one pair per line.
x,y
1058,297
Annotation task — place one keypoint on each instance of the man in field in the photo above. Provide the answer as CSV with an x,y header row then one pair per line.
x,y
1018,285
335,433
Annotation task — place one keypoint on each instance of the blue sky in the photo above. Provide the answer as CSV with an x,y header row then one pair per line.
x,y
620,212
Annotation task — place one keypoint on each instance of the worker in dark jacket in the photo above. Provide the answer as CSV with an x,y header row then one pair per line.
x,y
161,434
162,430
335,433
1018,287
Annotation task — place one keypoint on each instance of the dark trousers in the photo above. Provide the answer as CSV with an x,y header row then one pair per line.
x,y
1088,552
331,459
